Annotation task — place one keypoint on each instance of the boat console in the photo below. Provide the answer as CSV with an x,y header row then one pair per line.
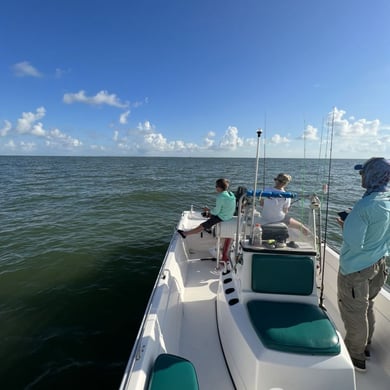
x,y
269,317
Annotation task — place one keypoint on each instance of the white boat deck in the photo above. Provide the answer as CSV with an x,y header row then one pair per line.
x,y
182,319
377,376
199,338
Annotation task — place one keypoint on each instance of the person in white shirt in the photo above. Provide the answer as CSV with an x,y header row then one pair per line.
x,y
276,209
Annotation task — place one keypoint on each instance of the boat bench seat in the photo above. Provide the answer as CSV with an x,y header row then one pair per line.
x,y
284,324
172,372
293,327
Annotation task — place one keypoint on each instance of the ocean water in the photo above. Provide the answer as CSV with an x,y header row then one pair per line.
x,y
81,243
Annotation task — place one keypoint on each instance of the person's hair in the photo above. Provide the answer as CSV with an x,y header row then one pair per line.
x,y
222,183
283,178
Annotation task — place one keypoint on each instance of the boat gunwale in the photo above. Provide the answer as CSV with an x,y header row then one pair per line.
x,y
137,343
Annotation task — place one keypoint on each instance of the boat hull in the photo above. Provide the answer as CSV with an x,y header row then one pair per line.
x,y
189,315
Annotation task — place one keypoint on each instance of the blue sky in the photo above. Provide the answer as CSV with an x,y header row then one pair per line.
x,y
194,78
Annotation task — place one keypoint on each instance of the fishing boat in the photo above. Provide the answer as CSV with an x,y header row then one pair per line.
x,y
230,312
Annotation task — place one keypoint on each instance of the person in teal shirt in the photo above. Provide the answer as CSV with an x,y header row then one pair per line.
x,y
224,209
362,270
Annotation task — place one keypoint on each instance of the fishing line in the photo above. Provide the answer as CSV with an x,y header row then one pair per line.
x,y
198,206
321,162
264,148
321,174
303,178
327,209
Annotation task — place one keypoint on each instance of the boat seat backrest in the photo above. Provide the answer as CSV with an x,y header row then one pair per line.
x,y
171,372
281,274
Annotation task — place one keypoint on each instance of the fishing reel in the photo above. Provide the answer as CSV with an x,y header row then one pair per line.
x,y
315,202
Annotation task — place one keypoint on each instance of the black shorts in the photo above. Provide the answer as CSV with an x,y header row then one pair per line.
x,y
213,220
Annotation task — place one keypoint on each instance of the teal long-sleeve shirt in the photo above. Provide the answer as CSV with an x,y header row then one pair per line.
x,y
366,233
225,206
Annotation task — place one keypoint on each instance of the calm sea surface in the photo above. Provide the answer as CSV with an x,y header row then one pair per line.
x,y
82,240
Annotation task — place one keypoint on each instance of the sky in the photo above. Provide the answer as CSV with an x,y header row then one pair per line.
x,y
195,78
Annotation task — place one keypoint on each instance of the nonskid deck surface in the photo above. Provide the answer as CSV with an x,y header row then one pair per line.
x,y
375,378
199,336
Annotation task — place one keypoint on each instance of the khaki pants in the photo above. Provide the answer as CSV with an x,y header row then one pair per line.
x,y
356,294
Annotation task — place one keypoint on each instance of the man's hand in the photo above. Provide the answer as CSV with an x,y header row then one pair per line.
x,y
340,222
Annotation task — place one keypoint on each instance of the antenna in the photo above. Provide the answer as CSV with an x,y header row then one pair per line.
x,y
259,132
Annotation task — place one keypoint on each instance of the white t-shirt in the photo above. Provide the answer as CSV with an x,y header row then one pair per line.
x,y
274,209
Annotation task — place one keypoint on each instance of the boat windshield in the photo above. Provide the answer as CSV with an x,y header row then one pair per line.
x,y
299,230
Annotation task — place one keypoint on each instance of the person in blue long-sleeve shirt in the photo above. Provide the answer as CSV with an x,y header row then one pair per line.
x,y
362,270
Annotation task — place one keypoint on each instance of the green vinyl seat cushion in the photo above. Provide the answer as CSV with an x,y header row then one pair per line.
x,y
293,327
282,274
172,372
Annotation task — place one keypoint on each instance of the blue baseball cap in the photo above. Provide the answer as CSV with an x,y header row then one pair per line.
x,y
359,167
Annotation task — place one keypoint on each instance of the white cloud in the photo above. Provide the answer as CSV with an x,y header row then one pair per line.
x,y
350,128
356,138
56,138
148,141
123,117
25,123
38,130
278,139
25,69
250,143
99,148
101,98
208,141
310,133
28,126
140,103
6,128
23,146
157,142
360,137
60,72
10,144
115,137
27,146
231,140
145,127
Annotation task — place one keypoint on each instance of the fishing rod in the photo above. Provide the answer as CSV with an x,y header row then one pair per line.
x,y
198,206
322,260
264,149
259,131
